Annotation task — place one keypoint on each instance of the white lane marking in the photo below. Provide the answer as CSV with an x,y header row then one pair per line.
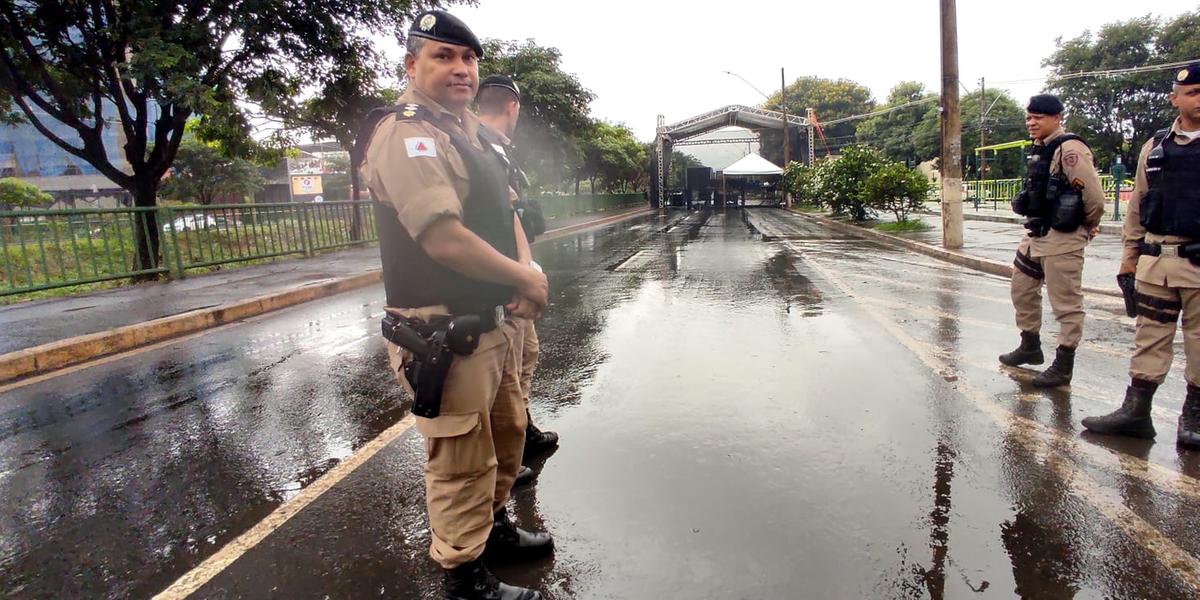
x,y
229,553
1036,437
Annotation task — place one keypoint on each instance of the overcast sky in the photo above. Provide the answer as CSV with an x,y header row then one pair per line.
x,y
648,57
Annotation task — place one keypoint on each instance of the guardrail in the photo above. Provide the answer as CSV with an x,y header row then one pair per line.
x,y
555,207
45,249
1003,190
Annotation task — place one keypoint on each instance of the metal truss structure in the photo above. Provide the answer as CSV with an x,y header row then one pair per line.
x,y
680,133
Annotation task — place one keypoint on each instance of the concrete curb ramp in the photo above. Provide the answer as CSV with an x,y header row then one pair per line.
x,y
958,258
77,350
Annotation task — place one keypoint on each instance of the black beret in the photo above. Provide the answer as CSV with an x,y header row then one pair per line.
x,y
444,27
1045,104
501,81
1189,75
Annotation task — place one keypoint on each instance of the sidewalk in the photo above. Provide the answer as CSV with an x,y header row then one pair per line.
x,y
39,322
998,241
1002,213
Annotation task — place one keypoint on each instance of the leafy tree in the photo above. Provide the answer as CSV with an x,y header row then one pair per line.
x,y
20,193
613,155
843,179
202,173
680,163
1004,121
146,67
896,188
831,98
1115,114
554,109
892,132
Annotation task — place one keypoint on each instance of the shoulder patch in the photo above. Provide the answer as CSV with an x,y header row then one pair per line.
x,y
1077,183
1071,159
420,146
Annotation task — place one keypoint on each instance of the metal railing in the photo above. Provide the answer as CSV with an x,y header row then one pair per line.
x,y
1003,190
44,249
556,207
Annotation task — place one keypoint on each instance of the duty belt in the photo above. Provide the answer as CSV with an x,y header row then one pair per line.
x,y
1168,250
488,320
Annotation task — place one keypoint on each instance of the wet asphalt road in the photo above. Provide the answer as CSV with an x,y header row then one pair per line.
x,y
811,417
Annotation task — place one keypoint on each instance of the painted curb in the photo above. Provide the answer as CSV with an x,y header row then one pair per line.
x,y
957,258
49,357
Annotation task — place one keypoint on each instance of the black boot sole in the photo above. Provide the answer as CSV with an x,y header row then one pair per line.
x,y
1050,384
1188,441
1033,361
1145,433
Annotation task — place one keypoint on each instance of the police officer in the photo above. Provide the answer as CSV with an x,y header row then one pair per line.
x,y
454,253
1063,202
499,106
1161,229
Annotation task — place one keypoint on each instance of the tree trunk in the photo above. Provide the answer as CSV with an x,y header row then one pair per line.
x,y
356,226
146,229
576,186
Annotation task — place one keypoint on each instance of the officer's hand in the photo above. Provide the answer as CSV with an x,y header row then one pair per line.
x,y
1093,232
1128,267
524,309
535,287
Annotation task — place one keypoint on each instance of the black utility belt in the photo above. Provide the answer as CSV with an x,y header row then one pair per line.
x,y
433,345
1190,250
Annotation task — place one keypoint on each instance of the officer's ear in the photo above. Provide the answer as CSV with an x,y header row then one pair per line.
x,y
410,65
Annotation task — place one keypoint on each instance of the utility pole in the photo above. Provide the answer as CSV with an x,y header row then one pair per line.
x,y
951,157
982,129
783,108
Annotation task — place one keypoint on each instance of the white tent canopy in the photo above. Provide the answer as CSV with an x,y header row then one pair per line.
x,y
752,164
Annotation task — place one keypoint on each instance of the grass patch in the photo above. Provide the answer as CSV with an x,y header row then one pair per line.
x,y
903,226
808,208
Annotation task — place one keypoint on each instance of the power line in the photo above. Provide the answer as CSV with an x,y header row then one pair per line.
x,y
1068,76
1107,72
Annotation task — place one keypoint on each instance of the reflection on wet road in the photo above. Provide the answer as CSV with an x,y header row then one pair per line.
x,y
814,416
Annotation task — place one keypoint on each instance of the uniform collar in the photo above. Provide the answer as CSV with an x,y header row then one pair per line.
x,y
1050,138
469,123
504,141
1177,127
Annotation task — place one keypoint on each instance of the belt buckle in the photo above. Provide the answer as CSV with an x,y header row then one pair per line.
x,y
1171,251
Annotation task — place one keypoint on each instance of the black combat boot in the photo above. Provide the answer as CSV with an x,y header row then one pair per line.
x,y
536,440
1133,418
1189,420
1060,370
524,476
1028,353
507,541
473,581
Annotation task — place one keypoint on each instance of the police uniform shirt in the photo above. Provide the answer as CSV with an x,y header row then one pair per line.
x,y
1075,161
1159,270
415,166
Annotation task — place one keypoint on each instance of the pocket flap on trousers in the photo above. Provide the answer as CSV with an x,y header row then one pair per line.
x,y
448,425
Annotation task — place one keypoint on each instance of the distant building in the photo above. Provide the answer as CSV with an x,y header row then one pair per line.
x,y
27,154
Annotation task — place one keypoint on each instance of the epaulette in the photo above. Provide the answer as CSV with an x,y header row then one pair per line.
x,y
403,112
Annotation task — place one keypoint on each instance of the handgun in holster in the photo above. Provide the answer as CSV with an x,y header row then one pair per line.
x,y
1037,227
1128,285
433,347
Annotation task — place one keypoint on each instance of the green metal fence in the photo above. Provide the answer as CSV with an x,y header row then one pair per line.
x,y
556,207
44,249
1003,190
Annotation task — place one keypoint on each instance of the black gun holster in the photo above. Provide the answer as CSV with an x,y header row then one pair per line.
x,y
1126,282
433,346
